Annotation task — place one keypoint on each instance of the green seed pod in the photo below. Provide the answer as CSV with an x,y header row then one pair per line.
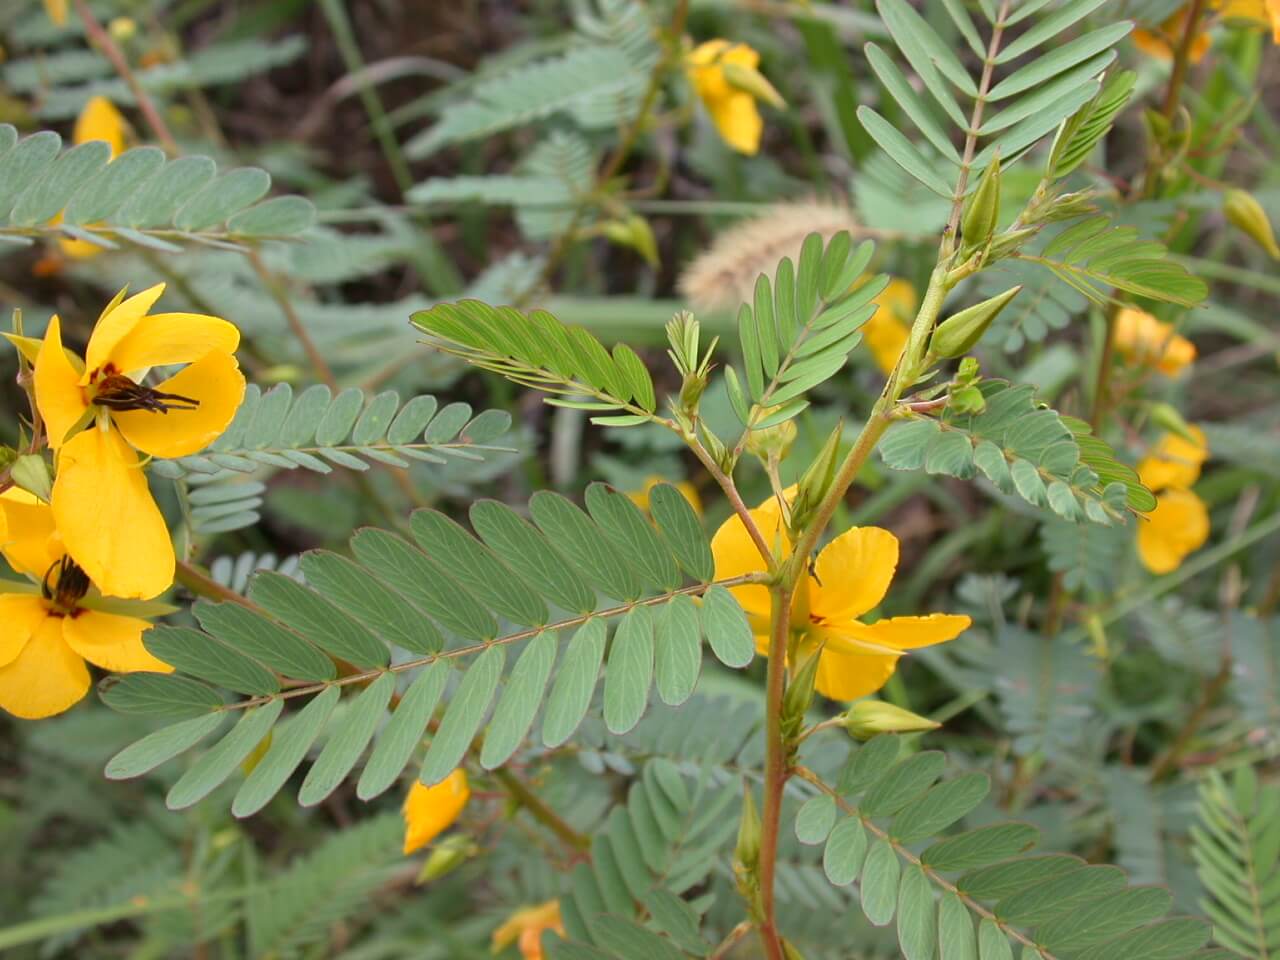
x,y
747,852
957,334
1246,213
983,211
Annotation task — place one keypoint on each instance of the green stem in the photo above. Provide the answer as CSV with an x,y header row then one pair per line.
x,y
539,810
775,766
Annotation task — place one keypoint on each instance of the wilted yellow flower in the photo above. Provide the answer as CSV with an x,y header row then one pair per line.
x,y
99,120
46,637
429,811
726,80
1143,339
887,331
851,577
1178,526
57,10
687,490
525,927
103,508
1162,42
1174,461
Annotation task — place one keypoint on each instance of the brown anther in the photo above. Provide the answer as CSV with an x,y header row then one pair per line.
x,y
70,584
117,392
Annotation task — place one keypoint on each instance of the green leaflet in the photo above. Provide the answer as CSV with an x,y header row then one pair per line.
x,y
725,626
630,671
677,650
154,749
219,663
317,618
523,548
462,719
574,683
513,716
846,847
403,732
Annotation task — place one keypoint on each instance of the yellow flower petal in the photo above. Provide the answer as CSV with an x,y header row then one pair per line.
x,y
111,642
733,110
100,120
57,11
1143,339
214,382
46,678
21,616
167,338
1178,526
59,397
526,926
735,553
1174,461
27,537
853,573
107,519
738,120
429,811
908,633
850,676
687,490
114,325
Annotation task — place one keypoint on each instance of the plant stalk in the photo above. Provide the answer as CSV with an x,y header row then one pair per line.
x,y
776,765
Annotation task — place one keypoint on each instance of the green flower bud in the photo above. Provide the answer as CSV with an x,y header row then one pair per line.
x,y
958,334
445,857
799,696
31,473
870,718
983,210
1246,213
1166,416
752,81
815,483
790,952
7,456
634,232
746,854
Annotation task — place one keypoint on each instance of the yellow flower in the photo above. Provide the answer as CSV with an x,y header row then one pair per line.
x,y
641,497
525,926
99,120
1162,42
101,503
725,78
47,636
1143,339
57,10
1179,525
887,331
1265,13
429,811
850,577
1174,461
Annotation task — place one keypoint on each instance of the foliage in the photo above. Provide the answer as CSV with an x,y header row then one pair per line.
x,y
450,244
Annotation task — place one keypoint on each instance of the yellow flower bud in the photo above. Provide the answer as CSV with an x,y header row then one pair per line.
x,y
870,718
958,334
1246,213
122,28
774,441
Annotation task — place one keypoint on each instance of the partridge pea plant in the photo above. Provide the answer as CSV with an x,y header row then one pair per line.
x,y
453,662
